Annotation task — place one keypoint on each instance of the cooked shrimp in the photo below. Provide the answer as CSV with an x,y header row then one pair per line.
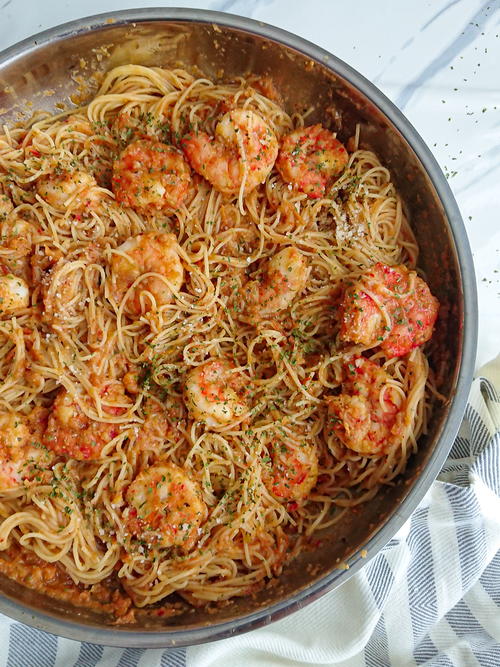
x,y
16,243
165,507
70,432
74,191
214,393
14,294
242,152
283,279
150,176
16,235
367,416
309,158
22,455
292,470
388,306
152,253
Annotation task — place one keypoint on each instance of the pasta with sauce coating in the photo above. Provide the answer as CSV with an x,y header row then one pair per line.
x,y
185,367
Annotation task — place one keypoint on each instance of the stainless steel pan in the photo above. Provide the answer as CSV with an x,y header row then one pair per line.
x,y
46,69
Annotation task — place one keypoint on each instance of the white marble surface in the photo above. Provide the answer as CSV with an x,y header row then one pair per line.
x,y
437,60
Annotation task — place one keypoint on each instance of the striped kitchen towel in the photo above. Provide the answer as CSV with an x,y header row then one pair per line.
x,y
431,597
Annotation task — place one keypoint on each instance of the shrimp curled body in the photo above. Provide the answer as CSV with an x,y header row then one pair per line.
x,y
283,279
16,244
151,253
22,455
14,294
293,471
165,507
243,150
72,433
150,176
214,393
74,191
405,299
367,417
309,158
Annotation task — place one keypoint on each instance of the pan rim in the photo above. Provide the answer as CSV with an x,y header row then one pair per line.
x,y
185,637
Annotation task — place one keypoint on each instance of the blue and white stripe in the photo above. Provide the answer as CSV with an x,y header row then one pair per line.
x,y
431,597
